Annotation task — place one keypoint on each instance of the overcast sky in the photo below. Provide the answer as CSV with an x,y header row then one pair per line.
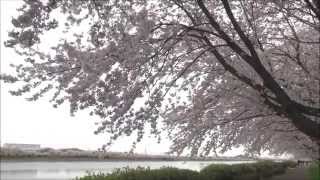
x,y
38,122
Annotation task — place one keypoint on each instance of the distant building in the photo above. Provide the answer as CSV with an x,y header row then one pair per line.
x,y
23,147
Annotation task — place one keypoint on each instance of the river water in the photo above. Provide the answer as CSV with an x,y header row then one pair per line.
x,y
63,170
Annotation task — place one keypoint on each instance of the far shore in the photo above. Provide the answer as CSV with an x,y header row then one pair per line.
x,y
68,159
75,154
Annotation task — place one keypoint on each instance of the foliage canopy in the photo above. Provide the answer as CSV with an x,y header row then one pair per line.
x,y
217,73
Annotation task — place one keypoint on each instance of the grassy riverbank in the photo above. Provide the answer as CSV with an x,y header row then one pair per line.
x,y
251,171
314,171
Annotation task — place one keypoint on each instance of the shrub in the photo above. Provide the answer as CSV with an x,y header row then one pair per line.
x,y
314,171
245,172
270,168
239,169
217,172
290,164
251,171
254,176
165,173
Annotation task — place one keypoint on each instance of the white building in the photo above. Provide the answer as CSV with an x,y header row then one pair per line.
x,y
23,147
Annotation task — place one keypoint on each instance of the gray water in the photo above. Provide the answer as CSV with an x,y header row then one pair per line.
x,y
63,170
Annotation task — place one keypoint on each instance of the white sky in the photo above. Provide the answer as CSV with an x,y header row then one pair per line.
x,y
38,122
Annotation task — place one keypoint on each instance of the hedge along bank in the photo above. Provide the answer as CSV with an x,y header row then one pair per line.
x,y
252,171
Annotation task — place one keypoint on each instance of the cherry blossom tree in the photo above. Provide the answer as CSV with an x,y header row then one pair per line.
x,y
216,74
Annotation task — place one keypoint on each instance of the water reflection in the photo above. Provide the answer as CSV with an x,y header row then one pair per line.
x,y
16,174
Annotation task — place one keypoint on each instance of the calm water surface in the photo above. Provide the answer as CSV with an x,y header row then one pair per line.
x,y
42,170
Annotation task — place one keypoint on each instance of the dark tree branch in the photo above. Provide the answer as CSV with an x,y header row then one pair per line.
x,y
315,9
184,70
251,25
238,29
180,5
288,106
65,70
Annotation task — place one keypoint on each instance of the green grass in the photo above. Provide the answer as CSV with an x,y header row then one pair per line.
x,y
314,171
251,171
165,173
